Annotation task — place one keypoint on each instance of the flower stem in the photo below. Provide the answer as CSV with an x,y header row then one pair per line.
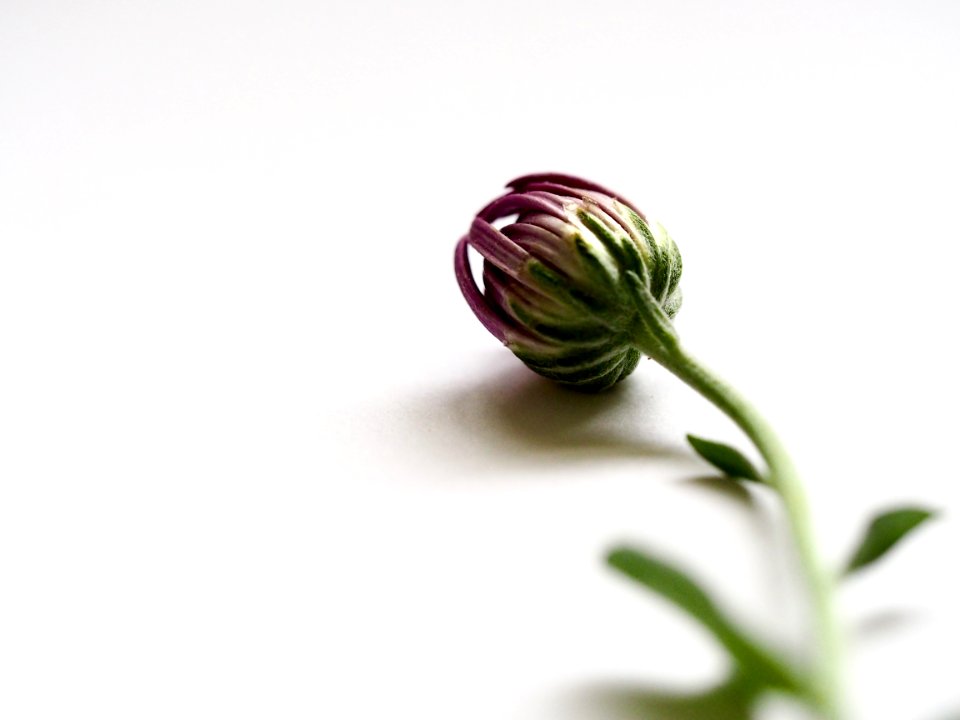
x,y
826,674
782,477
655,335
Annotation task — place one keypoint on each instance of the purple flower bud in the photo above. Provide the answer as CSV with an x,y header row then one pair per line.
x,y
561,277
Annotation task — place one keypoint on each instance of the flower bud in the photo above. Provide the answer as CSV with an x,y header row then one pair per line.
x,y
561,278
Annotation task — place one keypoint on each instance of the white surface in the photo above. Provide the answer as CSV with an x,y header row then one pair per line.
x,y
257,459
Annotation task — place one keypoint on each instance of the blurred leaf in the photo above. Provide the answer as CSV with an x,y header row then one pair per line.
x,y
732,700
753,660
726,459
884,532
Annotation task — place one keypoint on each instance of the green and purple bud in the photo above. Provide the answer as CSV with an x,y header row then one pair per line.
x,y
568,268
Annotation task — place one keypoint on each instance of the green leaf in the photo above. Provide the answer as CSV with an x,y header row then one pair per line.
x,y
751,657
884,532
726,459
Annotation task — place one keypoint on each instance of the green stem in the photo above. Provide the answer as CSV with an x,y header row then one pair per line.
x,y
783,477
654,334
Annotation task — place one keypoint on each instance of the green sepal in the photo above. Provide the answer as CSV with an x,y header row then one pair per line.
x,y
883,533
750,656
726,459
653,333
612,244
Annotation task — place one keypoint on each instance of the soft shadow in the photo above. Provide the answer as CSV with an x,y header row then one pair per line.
x,y
724,488
885,621
518,416
535,413
732,700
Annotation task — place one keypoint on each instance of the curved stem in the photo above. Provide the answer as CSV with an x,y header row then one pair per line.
x,y
782,477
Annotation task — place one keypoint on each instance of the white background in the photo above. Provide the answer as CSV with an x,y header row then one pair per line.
x,y
257,458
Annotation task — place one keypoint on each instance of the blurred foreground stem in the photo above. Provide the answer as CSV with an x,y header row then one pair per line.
x,y
782,477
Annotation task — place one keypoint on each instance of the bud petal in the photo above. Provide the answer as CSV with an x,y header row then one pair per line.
x,y
559,282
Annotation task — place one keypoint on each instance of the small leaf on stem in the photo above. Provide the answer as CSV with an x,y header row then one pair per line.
x,y
884,532
726,459
755,661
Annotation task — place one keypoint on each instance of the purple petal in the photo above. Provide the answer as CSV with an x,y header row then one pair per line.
x,y
573,183
543,244
520,202
496,247
611,217
498,284
472,294
601,200
531,236
600,205
560,228
554,188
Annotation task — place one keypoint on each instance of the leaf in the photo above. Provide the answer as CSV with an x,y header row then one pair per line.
x,y
752,658
726,459
885,531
